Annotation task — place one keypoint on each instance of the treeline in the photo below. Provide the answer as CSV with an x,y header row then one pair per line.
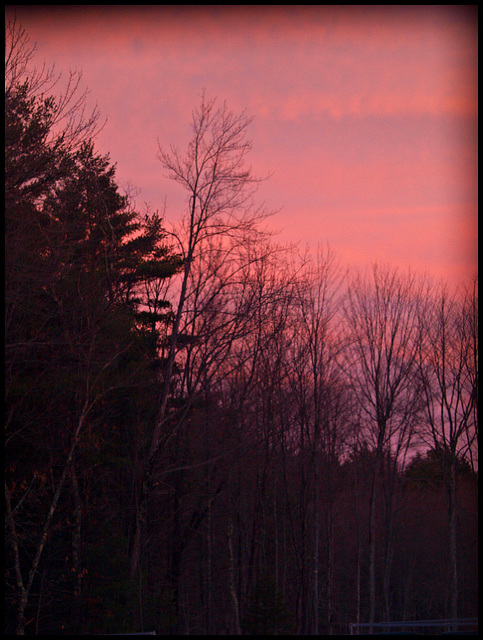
x,y
206,432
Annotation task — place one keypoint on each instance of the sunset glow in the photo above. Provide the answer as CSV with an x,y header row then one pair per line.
x,y
364,117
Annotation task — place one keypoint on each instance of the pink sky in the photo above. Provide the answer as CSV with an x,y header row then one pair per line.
x,y
364,117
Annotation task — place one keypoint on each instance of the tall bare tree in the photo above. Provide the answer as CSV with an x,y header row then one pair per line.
x,y
380,359
311,363
221,222
448,362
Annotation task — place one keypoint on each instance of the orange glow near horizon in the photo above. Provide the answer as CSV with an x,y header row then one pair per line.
x,y
365,117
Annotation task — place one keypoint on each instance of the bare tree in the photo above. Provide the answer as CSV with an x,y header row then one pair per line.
x,y
448,364
469,331
312,374
220,204
380,360
221,222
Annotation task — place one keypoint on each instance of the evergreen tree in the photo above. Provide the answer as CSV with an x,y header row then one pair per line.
x,y
77,259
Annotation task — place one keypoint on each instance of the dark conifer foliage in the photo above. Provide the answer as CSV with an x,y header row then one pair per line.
x,y
77,352
219,441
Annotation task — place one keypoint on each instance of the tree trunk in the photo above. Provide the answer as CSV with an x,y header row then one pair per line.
x,y
236,630
316,553
453,559
157,433
209,585
372,551
386,579
358,579
209,559
25,589
76,547
330,568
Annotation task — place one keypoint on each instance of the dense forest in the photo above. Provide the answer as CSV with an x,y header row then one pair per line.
x,y
208,432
